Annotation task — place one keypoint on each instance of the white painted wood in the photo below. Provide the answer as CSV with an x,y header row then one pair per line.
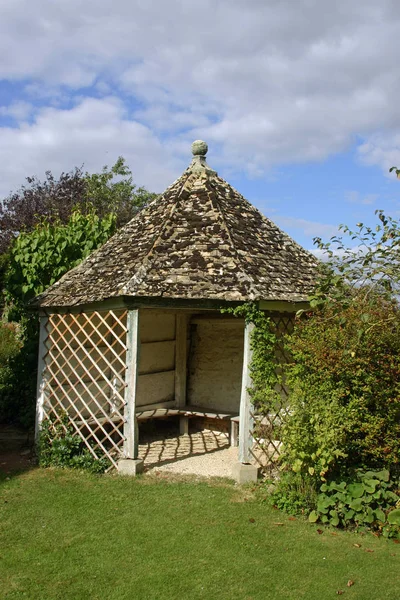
x,y
234,432
183,425
41,380
155,388
156,357
245,416
181,359
132,360
85,377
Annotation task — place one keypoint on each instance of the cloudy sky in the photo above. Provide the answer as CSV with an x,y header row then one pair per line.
x,y
299,100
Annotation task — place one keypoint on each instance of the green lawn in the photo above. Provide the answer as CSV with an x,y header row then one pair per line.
x,y
70,535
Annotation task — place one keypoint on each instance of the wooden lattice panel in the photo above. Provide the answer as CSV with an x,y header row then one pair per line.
x,y
84,377
268,420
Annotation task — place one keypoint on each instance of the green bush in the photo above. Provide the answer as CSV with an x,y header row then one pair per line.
x,y
11,341
37,259
59,446
344,385
12,370
369,501
293,493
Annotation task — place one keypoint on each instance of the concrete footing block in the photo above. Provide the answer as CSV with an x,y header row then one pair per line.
x,y
244,472
130,466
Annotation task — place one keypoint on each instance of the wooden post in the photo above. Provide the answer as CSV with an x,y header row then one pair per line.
x,y
41,380
246,421
132,362
180,360
180,369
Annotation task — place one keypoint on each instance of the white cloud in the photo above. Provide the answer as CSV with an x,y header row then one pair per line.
x,y
382,149
266,83
19,110
354,197
308,228
93,133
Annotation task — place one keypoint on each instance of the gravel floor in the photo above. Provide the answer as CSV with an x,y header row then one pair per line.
x,y
205,453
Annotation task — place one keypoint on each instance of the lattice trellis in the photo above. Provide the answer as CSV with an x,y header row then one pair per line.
x,y
84,377
268,421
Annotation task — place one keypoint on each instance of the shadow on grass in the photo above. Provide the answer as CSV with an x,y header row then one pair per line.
x,y
16,452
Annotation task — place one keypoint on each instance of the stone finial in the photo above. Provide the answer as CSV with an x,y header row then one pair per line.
x,y
199,148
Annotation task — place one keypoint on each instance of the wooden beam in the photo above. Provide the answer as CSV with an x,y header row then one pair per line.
x,y
246,421
282,306
181,359
132,361
41,381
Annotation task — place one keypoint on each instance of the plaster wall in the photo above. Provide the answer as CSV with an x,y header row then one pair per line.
x,y
216,361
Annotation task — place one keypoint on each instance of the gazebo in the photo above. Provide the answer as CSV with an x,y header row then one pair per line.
x,y
136,332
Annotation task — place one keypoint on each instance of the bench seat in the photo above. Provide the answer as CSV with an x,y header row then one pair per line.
x,y
188,411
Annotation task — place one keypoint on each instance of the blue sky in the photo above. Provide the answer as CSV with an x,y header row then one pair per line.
x,y
298,100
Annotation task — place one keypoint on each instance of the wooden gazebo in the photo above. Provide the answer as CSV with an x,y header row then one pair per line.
x,y
135,331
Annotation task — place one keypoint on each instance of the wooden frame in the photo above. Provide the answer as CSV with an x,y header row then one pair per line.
x,y
83,360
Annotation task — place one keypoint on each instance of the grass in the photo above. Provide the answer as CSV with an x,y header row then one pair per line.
x,y
75,536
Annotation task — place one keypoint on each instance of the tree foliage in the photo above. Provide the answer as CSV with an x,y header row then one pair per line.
x,y
40,257
47,228
345,389
110,191
362,262
345,371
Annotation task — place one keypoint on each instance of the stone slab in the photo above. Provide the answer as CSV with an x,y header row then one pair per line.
x,y
130,466
244,473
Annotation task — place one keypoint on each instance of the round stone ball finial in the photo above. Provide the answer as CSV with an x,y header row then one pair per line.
x,y
199,148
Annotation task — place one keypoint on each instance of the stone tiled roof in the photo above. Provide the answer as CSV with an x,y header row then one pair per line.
x,y
199,240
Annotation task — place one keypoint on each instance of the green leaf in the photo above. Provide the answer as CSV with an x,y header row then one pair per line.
x,y
355,489
380,515
313,516
394,517
334,521
356,504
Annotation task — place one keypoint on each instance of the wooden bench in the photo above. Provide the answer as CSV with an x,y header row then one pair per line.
x,y
184,414
189,411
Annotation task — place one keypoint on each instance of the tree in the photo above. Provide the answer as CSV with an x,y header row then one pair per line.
x,y
39,258
110,191
47,228
345,373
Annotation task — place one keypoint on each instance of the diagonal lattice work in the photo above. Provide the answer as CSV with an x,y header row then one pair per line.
x,y
269,418
84,377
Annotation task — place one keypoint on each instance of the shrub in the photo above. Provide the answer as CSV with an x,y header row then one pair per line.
x,y
11,336
345,390
59,446
368,501
293,493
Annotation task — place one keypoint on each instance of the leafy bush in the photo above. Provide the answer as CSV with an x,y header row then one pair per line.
x,y
59,446
37,259
345,390
40,257
293,493
370,501
110,191
11,336
15,372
